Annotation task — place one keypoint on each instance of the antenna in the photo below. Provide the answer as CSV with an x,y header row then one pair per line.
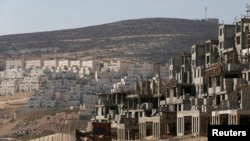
x,y
248,10
205,12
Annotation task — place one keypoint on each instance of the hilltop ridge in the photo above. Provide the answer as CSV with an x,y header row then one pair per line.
x,y
150,39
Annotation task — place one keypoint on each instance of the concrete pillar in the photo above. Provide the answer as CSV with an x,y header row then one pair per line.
x,y
233,119
142,129
180,126
118,134
153,129
128,134
219,120
194,124
121,134
124,134
182,123
167,128
215,123
212,120
229,119
198,124
237,120
215,120
157,130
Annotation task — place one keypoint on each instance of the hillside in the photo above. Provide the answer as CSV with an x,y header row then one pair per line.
x,y
152,39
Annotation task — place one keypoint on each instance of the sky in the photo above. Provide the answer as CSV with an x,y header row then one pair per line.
x,y
27,16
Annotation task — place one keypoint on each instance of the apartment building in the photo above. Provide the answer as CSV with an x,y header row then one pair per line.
x,y
115,66
33,64
29,84
8,87
144,69
15,64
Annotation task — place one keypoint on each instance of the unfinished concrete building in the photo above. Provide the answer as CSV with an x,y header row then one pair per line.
x,y
221,95
235,109
210,85
136,114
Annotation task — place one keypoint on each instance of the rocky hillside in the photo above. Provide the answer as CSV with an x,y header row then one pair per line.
x,y
152,39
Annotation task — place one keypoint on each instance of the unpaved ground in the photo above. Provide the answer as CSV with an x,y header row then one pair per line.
x,y
17,120
16,96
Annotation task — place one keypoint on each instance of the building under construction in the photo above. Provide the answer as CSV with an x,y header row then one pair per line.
x,y
209,85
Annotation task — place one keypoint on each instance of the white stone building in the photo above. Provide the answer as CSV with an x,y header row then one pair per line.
x,y
15,64
33,64
145,69
8,87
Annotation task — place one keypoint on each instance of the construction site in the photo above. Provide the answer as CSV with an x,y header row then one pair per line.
x,y
208,86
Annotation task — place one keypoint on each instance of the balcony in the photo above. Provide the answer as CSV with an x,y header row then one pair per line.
x,y
100,117
171,83
179,100
214,90
198,80
163,102
171,100
231,67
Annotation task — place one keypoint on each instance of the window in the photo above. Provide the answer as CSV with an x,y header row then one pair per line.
x,y
238,27
207,59
248,76
221,45
217,81
193,50
238,40
210,82
221,31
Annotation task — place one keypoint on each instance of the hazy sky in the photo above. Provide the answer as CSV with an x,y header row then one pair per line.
x,y
25,16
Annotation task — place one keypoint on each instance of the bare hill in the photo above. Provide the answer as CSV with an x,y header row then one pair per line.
x,y
153,39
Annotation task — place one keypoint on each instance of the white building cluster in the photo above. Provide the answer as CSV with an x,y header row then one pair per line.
x,y
64,82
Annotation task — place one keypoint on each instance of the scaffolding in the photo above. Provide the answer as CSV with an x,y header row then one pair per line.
x,y
247,45
235,95
213,70
171,83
